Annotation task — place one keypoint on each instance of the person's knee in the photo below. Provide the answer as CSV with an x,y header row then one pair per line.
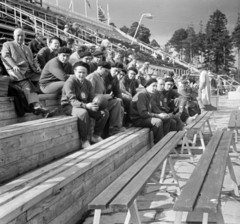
x,y
106,114
157,122
80,113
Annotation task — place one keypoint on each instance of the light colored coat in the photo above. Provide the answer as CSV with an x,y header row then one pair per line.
x,y
14,55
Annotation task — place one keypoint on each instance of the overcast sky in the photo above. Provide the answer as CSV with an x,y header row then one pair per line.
x,y
169,15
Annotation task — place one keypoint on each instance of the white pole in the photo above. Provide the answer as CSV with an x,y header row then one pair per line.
x,y
72,6
137,27
57,3
108,14
86,8
97,9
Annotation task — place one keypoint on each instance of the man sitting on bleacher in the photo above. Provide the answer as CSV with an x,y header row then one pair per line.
x,y
142,112
114,105
23,70
56,72
48,53
77,96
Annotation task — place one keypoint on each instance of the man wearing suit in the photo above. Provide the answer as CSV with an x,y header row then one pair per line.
x,y
18,60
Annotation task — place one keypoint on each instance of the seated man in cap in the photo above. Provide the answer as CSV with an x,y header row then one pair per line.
x,y
97,57
142,114
114,105
159,106
127,86
174,103
22,69
75,56
77,96
56,72
48,53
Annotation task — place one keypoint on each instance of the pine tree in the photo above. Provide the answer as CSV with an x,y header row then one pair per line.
x,y
218,44
236,34
189,44
200,42
236,42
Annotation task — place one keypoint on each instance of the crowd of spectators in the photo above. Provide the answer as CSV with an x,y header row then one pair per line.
x,y
135,97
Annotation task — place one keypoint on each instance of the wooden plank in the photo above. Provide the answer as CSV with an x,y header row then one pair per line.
x,y
211,190
6,99
42,174
199,124
81,202
36,194
192,124
48,96
238,119
27,164
190,192
39,147
232,120
7,107
104,199
8,114
34,125
49,208
18,142
126,197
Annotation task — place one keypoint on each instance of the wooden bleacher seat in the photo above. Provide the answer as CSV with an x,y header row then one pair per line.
x,y
31,144
61,191
234,122
9,116
203,189
197,127
122,193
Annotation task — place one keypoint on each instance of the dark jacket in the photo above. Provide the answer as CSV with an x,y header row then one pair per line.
x,y
77,94
55,71
44,56
128,85
35,46
141,106
112,85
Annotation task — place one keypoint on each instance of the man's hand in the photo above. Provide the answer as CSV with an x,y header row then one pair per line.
x,y
92,106
39,69
108,96
16,69
164,116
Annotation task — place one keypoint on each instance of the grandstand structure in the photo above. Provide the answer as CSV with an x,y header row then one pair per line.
x,y
42,16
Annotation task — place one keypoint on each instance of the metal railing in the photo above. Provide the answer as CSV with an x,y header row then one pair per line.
x,y
54,29
75,15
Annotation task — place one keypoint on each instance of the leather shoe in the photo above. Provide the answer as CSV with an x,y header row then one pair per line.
x,y
50,113
40,110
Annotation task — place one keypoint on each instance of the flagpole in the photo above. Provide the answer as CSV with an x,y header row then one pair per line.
x,y
86,8
72,6
97,10
108,14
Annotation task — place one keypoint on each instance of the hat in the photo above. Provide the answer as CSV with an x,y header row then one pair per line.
x,y
117,65
82,64
104,64
150,81
64,50
97,53
169,80
133,69
85,54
